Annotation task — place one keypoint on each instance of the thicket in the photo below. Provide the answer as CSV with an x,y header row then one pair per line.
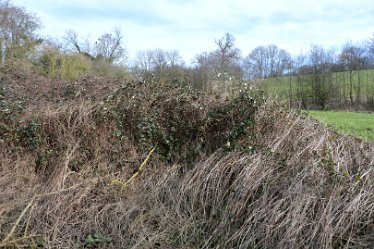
x,y
91,161
53,64
165,166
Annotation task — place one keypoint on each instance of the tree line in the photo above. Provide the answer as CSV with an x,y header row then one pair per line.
x,y
318,78
321,79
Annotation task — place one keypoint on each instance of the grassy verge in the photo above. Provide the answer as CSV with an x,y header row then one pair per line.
x,y
353,123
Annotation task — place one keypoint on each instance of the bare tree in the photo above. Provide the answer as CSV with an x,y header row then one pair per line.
x,y
256,63
227,63
144,60
174,59
300,63
227,54
267,61
17,30
159,60
163,66
203,71
219,70
109,47
74,44
281,61
352,60
371,44
321,62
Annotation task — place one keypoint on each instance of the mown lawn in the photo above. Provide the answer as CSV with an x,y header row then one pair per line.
x,y
353,123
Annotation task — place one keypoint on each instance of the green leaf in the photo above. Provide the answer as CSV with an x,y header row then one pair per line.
x,y
89,239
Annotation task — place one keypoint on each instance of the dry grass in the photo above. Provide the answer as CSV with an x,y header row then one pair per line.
x,y
289,183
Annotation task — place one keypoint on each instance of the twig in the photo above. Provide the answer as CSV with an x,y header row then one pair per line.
x,y
138,172
4,244
28,222
10,234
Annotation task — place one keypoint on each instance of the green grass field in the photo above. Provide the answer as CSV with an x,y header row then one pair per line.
x,y
353,123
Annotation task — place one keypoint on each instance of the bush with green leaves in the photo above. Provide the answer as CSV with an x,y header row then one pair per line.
x,y
67,66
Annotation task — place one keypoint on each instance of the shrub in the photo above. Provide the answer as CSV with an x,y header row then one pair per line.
x,y
54,64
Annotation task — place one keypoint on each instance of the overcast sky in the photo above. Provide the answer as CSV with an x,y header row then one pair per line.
x,y
191,26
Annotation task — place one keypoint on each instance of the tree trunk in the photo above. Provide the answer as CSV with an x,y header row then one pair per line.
x,y
358,93
350,87
289,89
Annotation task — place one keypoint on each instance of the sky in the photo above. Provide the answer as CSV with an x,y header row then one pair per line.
x,y
192,26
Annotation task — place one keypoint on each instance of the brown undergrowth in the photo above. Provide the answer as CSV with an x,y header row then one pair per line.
x,y
209,174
